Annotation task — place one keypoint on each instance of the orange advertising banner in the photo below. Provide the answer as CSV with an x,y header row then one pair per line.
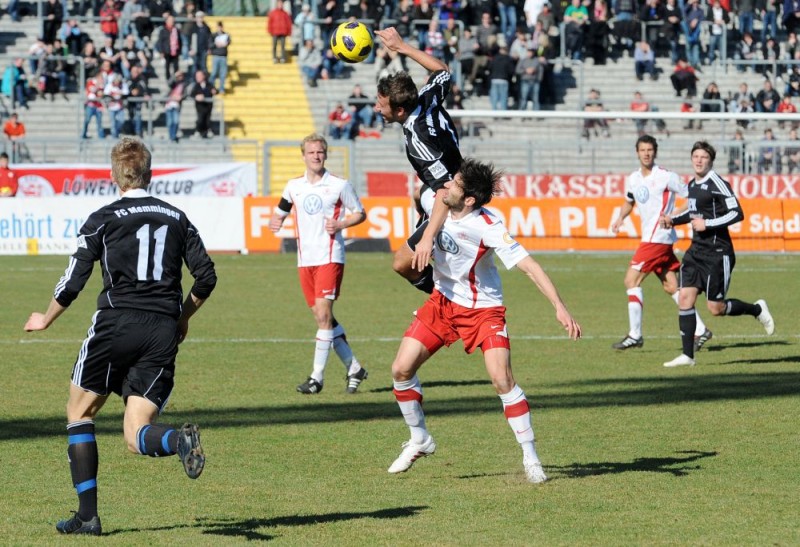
x,y
551,224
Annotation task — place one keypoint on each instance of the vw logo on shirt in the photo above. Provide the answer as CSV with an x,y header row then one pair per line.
x,y
642,194
447,243
312,204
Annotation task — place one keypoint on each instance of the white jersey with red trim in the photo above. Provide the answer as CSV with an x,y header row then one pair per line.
x,y
330,197
464,271
654,195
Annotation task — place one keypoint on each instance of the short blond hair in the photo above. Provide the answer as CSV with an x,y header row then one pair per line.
x,y
130,164
314,137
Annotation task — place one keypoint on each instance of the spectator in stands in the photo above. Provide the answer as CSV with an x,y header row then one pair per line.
x,y
652,14
742,103
786,106
507,9
168,44
793,81
486,34
546,54
711,102
673,18
639,104
626,28
770,51
718,16
219,58
341,125
501,70
403,14
93,107
329,13
424,12
366,11
14,131
111,54
279,26
91,59
332,66
137,93
115,93
203,93
13,10
529,77
35,53
362,106
737,154
53,73
304,21
387,62
8,179
53,14
548,20
467,47
310,62
769,156
694,27
594,103
520,45
160,9
452,34
109,20
597,31
767,98
15,84
746,50
201,42
132,56
576,18
791,15
793,152
769,19
187,27
746,11
644,61
178,90
687,108
434,40
684,78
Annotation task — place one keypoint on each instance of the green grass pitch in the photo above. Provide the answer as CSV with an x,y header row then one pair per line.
x,y
637,454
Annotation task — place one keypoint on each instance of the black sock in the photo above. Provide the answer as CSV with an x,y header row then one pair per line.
x,y
735,307
425,281
687,322
83,458
157,440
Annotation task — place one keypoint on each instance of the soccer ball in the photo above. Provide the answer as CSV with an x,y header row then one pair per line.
x,y
351,42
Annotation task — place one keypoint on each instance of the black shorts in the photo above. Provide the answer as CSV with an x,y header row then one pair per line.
x,y
129,353
708,272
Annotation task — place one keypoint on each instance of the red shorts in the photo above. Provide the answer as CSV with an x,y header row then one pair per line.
x,y
321,281
441,322
655,258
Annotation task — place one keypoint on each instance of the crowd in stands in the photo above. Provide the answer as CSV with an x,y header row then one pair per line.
x,y
113,78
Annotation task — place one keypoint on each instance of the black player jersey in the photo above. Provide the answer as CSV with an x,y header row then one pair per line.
x,y
712,199
431,138
141,243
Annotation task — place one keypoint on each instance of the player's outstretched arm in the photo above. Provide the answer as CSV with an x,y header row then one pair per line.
x,y
624,212
392,41
424,248
40,321
545,285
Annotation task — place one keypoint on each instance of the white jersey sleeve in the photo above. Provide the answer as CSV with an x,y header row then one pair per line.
x,y
464,269
654,196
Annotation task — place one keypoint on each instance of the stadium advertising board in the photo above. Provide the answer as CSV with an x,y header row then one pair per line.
x,y
205,180
50,225
542,224
572,186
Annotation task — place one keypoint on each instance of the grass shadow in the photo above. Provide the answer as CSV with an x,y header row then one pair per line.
x,y
249,528
444,383
744,345
676,466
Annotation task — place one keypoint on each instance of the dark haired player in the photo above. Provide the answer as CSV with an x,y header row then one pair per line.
x,y
708,264
142,244
431,146
467,305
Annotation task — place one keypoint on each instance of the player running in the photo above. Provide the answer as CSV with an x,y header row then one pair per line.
x,y
431,146
653,189
467,304
708,264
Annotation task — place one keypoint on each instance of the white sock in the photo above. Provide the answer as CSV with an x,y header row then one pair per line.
x,y
343,351
701,327
321,350
635,306
409,399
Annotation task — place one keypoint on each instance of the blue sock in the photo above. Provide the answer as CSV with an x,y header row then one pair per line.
x,y
157,440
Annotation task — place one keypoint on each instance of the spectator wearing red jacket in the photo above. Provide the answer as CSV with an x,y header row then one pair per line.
x,y
8,180
279,26
109,17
